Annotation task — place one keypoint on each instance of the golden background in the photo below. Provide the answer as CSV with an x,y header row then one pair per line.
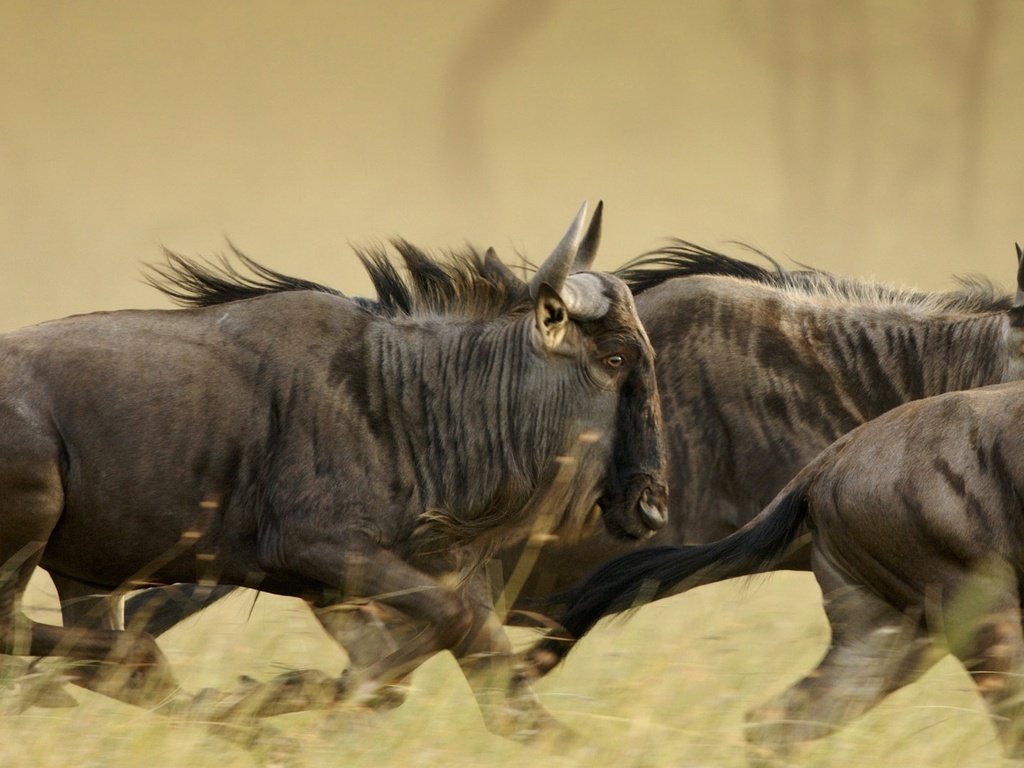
x,y
870,138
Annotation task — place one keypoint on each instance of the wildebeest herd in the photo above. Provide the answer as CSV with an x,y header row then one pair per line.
x,y
368,456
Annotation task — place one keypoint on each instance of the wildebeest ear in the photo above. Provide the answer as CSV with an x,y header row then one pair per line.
x,y
498,268
1018,300
551,315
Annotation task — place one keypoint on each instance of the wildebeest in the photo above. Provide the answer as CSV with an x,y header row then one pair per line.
x,y
819,361
310,445
759,370
915,524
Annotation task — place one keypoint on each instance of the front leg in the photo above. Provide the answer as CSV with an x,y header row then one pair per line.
x,y
461,621
369,631
506,700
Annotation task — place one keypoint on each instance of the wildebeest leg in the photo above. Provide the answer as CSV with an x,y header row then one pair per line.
x,y
449,621
995,659
123,665
508,704
369,631
875,650
373,631
474,635
31,501
82,605
992,651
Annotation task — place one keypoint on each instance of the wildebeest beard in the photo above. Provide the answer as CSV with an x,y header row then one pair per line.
x,y
567,492
604,456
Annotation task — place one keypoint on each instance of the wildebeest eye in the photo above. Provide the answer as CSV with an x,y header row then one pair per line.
x,y
614,361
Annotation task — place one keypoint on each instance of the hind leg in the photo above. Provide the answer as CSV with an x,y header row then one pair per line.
x,y
124,665
875,650
995,660
82,605
985,634
31,502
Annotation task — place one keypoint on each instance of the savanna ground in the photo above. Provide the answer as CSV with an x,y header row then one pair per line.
x,y
667,687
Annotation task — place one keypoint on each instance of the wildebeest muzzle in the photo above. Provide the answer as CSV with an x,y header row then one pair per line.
x,y
634,503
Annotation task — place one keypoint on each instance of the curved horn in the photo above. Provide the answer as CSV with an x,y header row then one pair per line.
x,y
584,297
1018,300
588,245
556,268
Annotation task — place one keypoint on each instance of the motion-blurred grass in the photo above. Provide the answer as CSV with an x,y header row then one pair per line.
x,y
668,687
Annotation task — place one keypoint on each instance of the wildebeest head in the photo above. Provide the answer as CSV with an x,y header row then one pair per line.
x,y
587,321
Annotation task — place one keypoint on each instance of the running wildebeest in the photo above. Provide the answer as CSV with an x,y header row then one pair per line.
x,y
759,371
832,356
306,445
915,525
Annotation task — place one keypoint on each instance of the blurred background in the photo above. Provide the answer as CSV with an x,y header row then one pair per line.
x,y
867,137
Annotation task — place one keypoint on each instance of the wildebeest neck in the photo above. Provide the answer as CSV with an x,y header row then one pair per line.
x,y
892,357
477,423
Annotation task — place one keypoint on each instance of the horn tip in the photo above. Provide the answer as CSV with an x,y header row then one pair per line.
x,y
581,214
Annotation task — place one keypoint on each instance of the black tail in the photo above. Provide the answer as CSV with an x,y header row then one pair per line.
x,y
651,574
157,609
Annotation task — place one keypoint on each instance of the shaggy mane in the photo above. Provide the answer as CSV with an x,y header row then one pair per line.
x,y
685,259
466,284
463,284
203,283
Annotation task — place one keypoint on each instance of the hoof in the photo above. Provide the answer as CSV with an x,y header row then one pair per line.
x,y
298,691
45,688
386,698
535,663
549,731
47,695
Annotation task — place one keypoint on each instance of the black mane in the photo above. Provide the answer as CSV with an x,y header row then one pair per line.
x,y
685,259
192,283
470,285
463,284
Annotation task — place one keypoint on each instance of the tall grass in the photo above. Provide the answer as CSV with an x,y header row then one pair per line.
x,y
667,687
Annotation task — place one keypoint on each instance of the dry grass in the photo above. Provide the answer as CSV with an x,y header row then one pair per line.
x,y
668,687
